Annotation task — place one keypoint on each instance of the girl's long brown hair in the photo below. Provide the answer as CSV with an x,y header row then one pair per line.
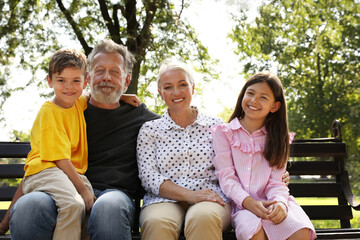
x,y
277,147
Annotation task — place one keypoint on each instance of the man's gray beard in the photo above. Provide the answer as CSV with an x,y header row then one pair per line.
x,y
105,98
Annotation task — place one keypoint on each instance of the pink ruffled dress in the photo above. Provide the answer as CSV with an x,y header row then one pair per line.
x,y
243,171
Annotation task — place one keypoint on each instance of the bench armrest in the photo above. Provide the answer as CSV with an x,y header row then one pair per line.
x,y
348,192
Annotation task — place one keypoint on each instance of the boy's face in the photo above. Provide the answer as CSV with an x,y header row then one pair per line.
x,y
68,86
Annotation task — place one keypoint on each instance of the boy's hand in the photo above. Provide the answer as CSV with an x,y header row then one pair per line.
x,y
3,228
277,212
89,199
87,95
131,99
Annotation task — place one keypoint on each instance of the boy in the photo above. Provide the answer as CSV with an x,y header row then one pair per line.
x,y
58,158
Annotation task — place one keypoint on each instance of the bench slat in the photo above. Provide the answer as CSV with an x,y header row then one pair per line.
x,y
12,171
338,233
334,212
313,168
328,149
7,193
2,213
14,149
315,189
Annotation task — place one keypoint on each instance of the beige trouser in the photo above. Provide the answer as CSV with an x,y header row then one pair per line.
x,y
70,205
203,221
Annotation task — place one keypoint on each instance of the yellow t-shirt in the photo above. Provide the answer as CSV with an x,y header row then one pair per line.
x,y
58,133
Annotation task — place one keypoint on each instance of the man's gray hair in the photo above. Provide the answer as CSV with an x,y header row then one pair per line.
x,y
109,46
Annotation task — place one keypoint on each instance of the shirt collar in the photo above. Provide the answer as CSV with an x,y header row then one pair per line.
x,y
168,123
235,124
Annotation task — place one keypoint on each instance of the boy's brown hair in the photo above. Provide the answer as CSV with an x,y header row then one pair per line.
x,y
64,58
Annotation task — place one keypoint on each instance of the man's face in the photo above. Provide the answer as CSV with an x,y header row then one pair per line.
x,y
108,77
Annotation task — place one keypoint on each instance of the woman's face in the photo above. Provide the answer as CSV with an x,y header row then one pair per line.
x,y
176,89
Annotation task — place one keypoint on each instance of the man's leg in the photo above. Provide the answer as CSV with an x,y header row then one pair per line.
x,y
112,216
33,217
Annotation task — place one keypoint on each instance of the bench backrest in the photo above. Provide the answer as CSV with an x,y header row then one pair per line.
x,y
11,150
320,163
327,159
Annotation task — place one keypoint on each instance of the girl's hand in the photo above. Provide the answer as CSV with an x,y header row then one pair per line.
x,y
277,212
131,99
286,178
259,208
206,195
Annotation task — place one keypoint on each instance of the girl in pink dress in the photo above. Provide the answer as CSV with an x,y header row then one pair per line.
x,y
250,156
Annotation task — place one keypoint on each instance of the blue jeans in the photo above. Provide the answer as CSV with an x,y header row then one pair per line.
x,y
112,216
34,216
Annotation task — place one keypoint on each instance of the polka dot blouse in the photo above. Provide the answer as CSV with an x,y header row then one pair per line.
x,y
183,155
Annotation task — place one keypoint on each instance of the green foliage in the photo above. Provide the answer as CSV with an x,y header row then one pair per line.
x,y
226,113
314,46
20,136
31,30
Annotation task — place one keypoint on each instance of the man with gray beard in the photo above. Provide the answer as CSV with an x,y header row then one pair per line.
x,y
112,129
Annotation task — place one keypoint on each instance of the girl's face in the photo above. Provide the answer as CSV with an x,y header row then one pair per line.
x,y
176,89
258,101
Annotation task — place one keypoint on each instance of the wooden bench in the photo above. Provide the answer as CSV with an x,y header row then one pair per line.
x,y
322,157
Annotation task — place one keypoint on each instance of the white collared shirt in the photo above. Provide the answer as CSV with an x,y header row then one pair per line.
x,y
183,155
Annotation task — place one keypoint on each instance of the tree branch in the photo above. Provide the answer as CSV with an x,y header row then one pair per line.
x,y
145,34
114,33
116,19
182,7
75,27
132,25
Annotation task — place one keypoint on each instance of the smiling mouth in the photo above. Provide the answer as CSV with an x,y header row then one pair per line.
x,y
253,108
178,100
106,88
68,93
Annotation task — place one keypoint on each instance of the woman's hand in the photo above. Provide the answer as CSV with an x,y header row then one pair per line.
x,y
277,212
131,99
286,178
206,195
259,208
